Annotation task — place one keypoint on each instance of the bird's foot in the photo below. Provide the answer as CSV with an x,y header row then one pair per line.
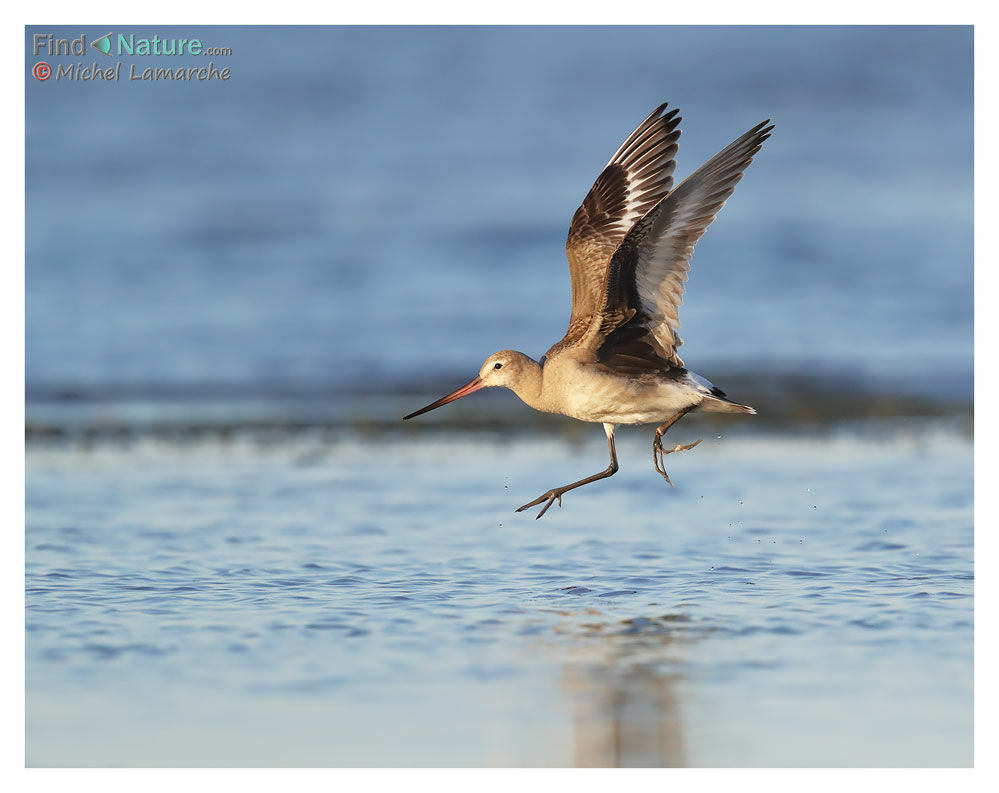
x,y
657,456
551,496
658,453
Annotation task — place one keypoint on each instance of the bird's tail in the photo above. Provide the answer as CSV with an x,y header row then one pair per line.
x,y
712,404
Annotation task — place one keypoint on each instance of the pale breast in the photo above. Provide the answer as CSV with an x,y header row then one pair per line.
x,y
591,393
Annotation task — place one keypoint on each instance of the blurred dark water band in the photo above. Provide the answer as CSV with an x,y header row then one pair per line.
x,y
785,403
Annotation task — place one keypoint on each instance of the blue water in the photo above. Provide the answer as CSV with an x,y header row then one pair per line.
x,y
365,212
392,203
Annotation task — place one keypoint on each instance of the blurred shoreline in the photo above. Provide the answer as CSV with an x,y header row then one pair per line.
x,y
787,403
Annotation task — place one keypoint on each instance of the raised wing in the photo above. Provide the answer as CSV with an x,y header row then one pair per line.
x,y
637,177
648,271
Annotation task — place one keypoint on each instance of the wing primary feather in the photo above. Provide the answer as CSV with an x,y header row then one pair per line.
x,y
637,177
647,272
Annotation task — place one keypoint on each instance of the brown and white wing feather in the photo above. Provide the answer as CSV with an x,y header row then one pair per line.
x,y
637,177
649,270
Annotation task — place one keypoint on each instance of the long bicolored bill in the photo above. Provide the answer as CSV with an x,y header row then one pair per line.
x,y
465,390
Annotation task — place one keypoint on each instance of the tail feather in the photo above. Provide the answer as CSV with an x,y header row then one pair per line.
x,y
712,404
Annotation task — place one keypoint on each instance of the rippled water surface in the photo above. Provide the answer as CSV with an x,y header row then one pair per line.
x,y
369,602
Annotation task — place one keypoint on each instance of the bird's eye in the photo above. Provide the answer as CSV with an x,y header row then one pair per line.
x,y
498,366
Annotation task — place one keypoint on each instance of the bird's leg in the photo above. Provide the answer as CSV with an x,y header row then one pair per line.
x,y
556,492
658,452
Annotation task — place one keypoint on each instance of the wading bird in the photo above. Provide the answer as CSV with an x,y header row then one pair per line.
x,y
629,250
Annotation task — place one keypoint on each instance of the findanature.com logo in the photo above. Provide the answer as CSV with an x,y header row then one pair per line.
x,y
126,45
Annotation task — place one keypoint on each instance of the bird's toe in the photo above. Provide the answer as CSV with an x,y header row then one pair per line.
x,y
550,497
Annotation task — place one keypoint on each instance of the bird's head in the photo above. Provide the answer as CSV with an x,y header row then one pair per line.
x,y
505,368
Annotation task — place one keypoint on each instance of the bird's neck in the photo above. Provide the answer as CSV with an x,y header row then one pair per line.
x,y
528,386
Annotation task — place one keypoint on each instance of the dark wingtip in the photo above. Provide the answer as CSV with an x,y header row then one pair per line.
x,y
671,118
761,132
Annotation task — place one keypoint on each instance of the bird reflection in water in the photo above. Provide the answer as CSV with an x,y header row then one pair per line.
x,y
623,696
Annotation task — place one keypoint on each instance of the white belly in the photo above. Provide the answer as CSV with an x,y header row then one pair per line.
x,y
589,394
